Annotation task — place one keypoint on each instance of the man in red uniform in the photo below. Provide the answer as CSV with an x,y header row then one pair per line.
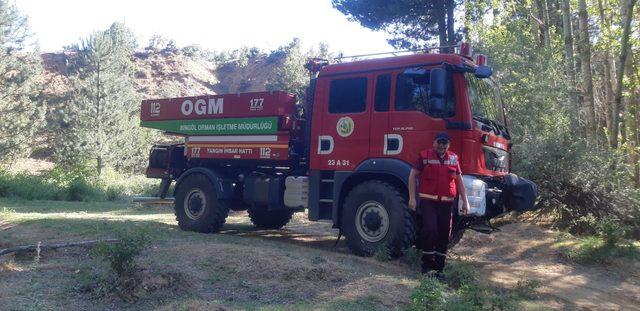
x,y
440,183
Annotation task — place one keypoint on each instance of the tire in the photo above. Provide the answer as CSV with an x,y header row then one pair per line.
x,y
375,215
196,205
269,219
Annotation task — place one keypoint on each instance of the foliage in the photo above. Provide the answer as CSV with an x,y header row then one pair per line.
x,y
20,71
586,179
596,250
102,116
121,254
411,23
463,290
429,295
74,184
382,253
291,75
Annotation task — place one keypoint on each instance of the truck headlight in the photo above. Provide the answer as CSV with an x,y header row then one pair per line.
x,y
476,195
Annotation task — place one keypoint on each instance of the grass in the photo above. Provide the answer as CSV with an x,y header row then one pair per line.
x,y
244,271
465,290
76,184
595,250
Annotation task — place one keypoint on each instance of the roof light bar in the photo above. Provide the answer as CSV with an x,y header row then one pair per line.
x,y
481,59
466,49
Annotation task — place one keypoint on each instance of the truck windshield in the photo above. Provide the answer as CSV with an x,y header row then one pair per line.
x,y
485,99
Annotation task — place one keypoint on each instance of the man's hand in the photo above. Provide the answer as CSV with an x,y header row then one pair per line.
x,y
465,207
412,203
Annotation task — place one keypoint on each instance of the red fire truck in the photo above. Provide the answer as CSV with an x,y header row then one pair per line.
x,y
345,155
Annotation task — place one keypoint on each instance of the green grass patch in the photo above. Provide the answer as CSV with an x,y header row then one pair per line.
x,y
463,290
595,249
75,185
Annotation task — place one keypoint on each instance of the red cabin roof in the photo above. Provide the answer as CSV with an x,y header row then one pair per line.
x,y
392,62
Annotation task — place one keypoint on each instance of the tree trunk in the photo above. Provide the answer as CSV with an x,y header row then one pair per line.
x,y
574,108
605,25
547,24
450,23
588,106
627,14
442,24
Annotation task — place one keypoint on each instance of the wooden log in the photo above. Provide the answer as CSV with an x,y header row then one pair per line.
x,y
31,248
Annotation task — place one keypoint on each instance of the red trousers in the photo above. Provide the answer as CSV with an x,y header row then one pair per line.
x,y
434,233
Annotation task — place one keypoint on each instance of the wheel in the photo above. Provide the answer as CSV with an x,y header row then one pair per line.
x,y
269,219
375,215
196,206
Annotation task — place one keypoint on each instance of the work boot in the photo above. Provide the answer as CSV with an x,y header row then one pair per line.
x,y
439,275
426,270
436,274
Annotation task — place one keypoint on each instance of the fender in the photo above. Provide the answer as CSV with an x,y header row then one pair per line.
x,y
381,166
224,189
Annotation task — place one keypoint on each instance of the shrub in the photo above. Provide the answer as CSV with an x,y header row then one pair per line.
x,y
429,295
611,230
382,253
587,184
459,273
80,190
75,184
121,255
412,257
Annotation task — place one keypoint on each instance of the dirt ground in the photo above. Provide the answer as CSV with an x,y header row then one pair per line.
x,y
522,251
297,267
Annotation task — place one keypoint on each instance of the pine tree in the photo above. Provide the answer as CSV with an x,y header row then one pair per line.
x,y
103,111
21,113
411,23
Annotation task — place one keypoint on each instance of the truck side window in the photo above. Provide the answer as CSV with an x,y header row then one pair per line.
x,y
383,92
412,93
348,95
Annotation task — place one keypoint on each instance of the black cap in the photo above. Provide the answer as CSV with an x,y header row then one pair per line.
x,y
442,135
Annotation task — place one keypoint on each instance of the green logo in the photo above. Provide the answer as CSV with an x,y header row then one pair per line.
x,y
345,126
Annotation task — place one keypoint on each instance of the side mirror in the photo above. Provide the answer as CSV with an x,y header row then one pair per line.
x,y
437,90
437,83
483,72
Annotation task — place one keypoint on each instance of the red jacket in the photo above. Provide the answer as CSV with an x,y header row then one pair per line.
x,y
437,176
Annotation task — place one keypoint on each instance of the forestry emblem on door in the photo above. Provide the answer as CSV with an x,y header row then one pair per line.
x,y
345,126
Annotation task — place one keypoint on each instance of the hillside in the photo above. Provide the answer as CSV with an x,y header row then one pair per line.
x,y
165,74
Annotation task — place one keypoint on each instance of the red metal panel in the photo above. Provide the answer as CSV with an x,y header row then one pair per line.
x,y
256,104
259,147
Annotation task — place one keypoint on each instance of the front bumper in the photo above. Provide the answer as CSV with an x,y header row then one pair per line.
x,y
489,198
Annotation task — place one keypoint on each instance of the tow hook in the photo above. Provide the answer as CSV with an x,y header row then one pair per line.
x,y
484,227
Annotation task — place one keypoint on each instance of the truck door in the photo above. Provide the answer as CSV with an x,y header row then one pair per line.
x,y
382,142
344,137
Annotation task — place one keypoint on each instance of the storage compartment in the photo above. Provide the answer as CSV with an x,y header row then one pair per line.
x,y
264,190
296,193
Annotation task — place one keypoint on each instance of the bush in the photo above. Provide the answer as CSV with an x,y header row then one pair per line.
x,y
80,190
429,295
75,184
611,230
121,255
382,253
459,273
579,186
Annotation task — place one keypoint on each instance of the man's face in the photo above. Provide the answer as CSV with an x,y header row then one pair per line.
x,y
441,146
